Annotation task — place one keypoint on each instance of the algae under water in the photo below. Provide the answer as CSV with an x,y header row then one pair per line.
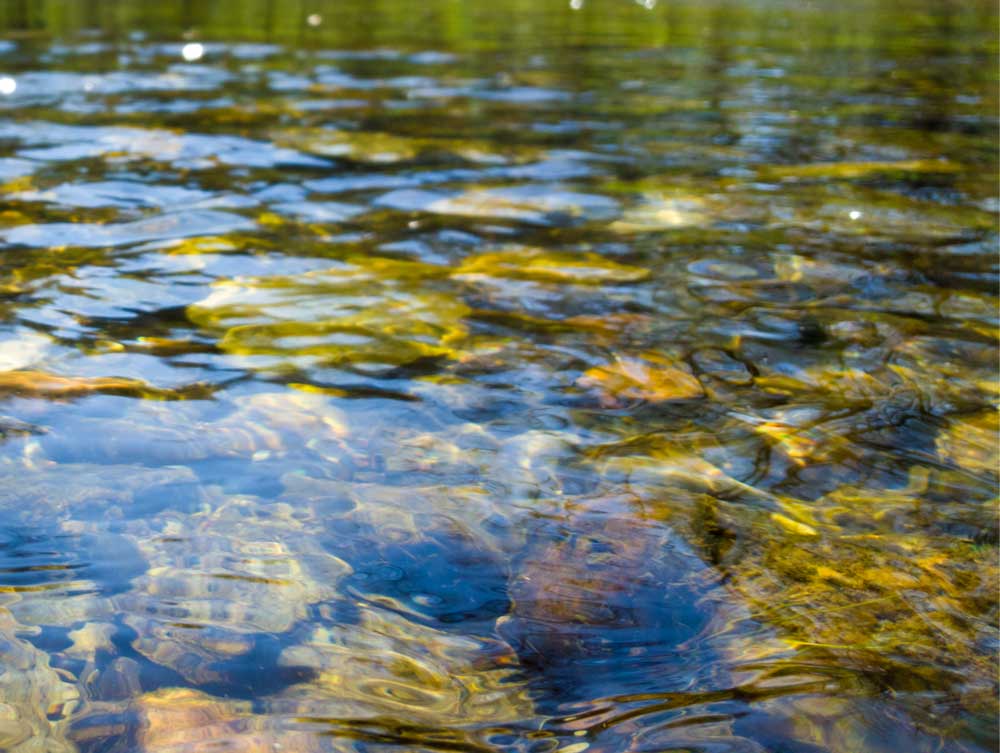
x,y
514,376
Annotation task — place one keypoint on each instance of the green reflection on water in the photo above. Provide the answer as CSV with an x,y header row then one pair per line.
x,y
518,376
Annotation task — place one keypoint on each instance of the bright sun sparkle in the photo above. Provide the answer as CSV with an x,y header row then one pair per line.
x,y
192,51
7,85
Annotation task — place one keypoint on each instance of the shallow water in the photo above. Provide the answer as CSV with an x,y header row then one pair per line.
x,y
516,377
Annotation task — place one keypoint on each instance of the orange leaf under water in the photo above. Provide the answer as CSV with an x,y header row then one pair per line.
x,y
651,377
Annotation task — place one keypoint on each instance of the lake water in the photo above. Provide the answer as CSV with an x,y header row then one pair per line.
x,y
512,376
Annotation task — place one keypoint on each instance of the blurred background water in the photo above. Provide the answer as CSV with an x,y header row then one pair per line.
x,y
510,376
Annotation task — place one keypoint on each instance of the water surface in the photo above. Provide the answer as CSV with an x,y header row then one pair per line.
x,y
599,376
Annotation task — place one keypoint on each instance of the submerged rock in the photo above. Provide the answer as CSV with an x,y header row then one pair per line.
x,y
534,204
36,701
389,667
521,263
41,384
614,617
368,311
658,213
218,581
180,720
615,604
